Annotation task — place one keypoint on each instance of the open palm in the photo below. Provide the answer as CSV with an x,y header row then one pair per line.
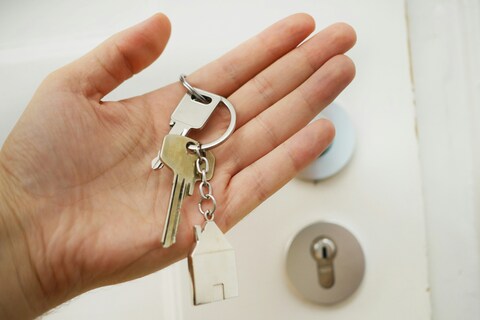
x,y
94,209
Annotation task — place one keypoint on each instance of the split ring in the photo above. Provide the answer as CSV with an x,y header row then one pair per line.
x,y
200,94
191,90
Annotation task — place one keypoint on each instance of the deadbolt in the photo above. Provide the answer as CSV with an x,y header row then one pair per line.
x,y
325,263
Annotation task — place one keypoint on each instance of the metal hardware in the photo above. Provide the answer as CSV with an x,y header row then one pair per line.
x,y
212,261
191,90
228,132
323,251
175,155
325,263
192,113
212,265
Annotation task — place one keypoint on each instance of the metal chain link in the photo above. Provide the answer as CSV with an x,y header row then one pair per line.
x,y
206,192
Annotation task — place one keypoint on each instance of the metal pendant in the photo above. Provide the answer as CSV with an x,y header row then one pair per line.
x,y
212,266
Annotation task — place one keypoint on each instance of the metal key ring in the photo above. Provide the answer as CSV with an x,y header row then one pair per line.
x,y
233,115
191,90
228,132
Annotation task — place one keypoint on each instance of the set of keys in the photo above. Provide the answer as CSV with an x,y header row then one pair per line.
x,y
212,260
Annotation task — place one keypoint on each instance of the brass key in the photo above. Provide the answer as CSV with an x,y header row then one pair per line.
x,y
176,155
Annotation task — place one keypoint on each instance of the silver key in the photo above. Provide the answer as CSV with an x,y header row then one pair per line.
x,y
189,114
176,156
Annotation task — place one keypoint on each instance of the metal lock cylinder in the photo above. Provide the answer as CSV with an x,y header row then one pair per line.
x,y
325,263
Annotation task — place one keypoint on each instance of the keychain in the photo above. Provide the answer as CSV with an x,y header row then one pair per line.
x,y
212,260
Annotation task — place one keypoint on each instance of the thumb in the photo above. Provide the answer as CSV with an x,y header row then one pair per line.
x,y
120,57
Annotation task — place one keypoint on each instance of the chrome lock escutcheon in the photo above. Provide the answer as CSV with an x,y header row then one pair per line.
x,y
325,263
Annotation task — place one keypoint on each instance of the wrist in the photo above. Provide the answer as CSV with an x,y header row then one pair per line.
x,y
21,294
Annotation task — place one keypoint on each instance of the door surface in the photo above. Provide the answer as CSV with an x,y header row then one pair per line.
x,y
377,196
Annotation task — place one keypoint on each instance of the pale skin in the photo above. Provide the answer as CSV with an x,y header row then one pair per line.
x,y
80,206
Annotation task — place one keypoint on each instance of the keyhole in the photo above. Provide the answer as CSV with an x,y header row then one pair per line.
x,y
323,251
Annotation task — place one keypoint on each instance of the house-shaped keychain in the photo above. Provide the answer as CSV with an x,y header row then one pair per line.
x,y
212,266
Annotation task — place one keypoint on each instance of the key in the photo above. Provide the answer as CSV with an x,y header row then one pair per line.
x,y
189,114
175,155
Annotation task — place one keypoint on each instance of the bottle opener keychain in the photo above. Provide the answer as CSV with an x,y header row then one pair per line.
x,y
211,262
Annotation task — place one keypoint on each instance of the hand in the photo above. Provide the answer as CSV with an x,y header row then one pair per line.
x,y
80,203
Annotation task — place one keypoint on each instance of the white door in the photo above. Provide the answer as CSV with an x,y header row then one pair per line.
x,y
378,196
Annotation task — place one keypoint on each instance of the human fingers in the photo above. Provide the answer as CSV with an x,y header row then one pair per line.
x,y
118,58
291,70
268,174
277,123
229,72
281,77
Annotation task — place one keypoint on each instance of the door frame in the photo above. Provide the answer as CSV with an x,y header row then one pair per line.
x,y
444,48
